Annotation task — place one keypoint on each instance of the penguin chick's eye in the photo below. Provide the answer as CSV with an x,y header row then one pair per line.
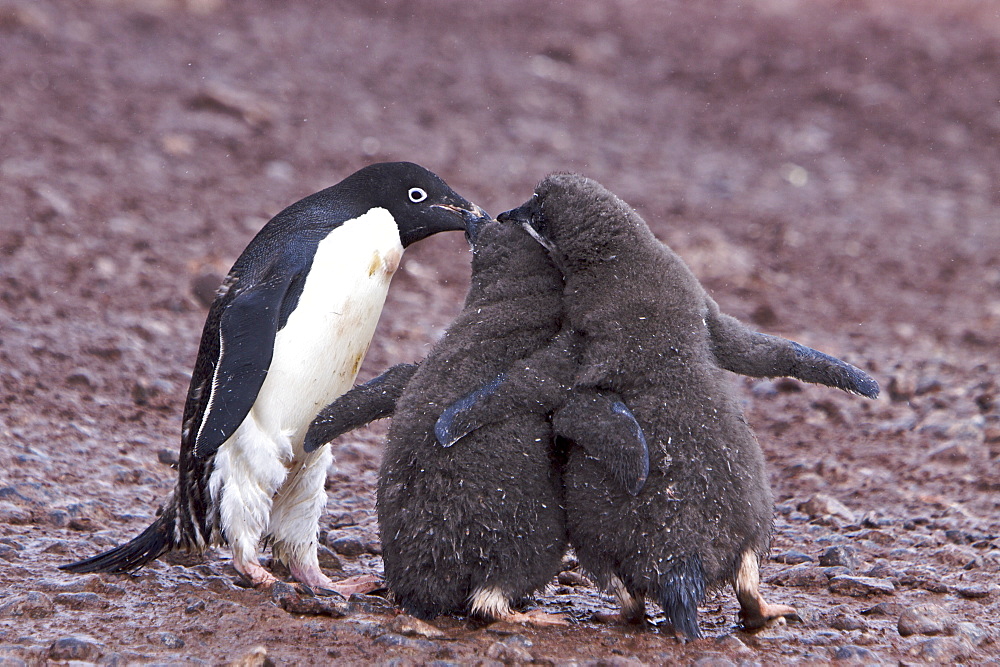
x,y
417,195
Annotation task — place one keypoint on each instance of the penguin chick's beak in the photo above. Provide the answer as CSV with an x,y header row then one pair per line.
x,y
527,217
473,225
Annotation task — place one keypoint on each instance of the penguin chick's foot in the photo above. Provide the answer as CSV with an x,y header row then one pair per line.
x,y
755,611
762,614
535,617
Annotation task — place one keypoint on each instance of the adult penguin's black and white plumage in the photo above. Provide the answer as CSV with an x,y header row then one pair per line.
x,y
655,337
286,335
476,526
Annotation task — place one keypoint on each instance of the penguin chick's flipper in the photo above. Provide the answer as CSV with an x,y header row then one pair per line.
x,y
607,430
682,588
365,403
462,418
538,383
247,330
741,350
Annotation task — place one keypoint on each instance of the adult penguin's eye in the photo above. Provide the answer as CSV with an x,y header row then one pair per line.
x,y
417,195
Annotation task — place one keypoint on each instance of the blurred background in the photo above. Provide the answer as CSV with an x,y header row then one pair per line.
x,y
828,168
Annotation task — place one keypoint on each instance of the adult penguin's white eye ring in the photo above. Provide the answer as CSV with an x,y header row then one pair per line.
x,y
417,195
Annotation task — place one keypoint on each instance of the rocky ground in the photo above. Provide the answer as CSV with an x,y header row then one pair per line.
x,y
829,169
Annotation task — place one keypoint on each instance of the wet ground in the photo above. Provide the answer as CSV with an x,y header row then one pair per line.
x,y
829,169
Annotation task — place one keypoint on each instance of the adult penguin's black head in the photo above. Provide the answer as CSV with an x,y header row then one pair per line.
x,y
419,200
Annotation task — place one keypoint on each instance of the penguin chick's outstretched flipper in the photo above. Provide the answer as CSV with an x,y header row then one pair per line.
x,y
739,349
594,419
365,403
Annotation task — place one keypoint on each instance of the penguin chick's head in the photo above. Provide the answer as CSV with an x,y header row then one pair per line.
x,y
577,219
419,201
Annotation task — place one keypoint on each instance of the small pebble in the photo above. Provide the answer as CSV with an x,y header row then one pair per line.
x,y
409,626
368,604
975,591
942,650
392,639
840,556
33,604
712,660
168,457
255,657
168,639
799,575
822,505
75,648
971,632
328,560
848,622
195,607
861,586
81,601
572,578
285,596
856,654
509,653
351,547
887,609
922,619
792,558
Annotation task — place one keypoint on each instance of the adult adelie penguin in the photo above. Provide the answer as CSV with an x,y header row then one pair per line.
x,y
654,336
477,526
285,335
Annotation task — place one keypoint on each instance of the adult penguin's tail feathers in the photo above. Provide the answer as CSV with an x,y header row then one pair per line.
x,y
159,538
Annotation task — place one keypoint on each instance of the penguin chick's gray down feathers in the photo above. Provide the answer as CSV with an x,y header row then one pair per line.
x,y
474,527
285,335
653,336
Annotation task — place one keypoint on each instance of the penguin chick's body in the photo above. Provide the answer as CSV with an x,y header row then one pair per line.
x,y
285,335
477,526
653,336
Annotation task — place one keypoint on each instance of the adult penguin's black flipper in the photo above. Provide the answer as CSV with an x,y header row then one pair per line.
x,y
365,403
247,329
603,425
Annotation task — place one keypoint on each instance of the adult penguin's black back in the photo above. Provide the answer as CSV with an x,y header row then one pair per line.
x,y
285,335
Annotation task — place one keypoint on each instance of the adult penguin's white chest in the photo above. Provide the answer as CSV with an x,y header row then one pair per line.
x,y
318,352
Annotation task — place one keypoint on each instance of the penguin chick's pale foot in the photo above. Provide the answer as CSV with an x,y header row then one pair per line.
x,y
755,612
493,604
284,337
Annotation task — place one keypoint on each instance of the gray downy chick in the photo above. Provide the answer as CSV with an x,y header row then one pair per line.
x,y
477,526
652,335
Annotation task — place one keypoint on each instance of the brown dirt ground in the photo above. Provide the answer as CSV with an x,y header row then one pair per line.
x,y
830,169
